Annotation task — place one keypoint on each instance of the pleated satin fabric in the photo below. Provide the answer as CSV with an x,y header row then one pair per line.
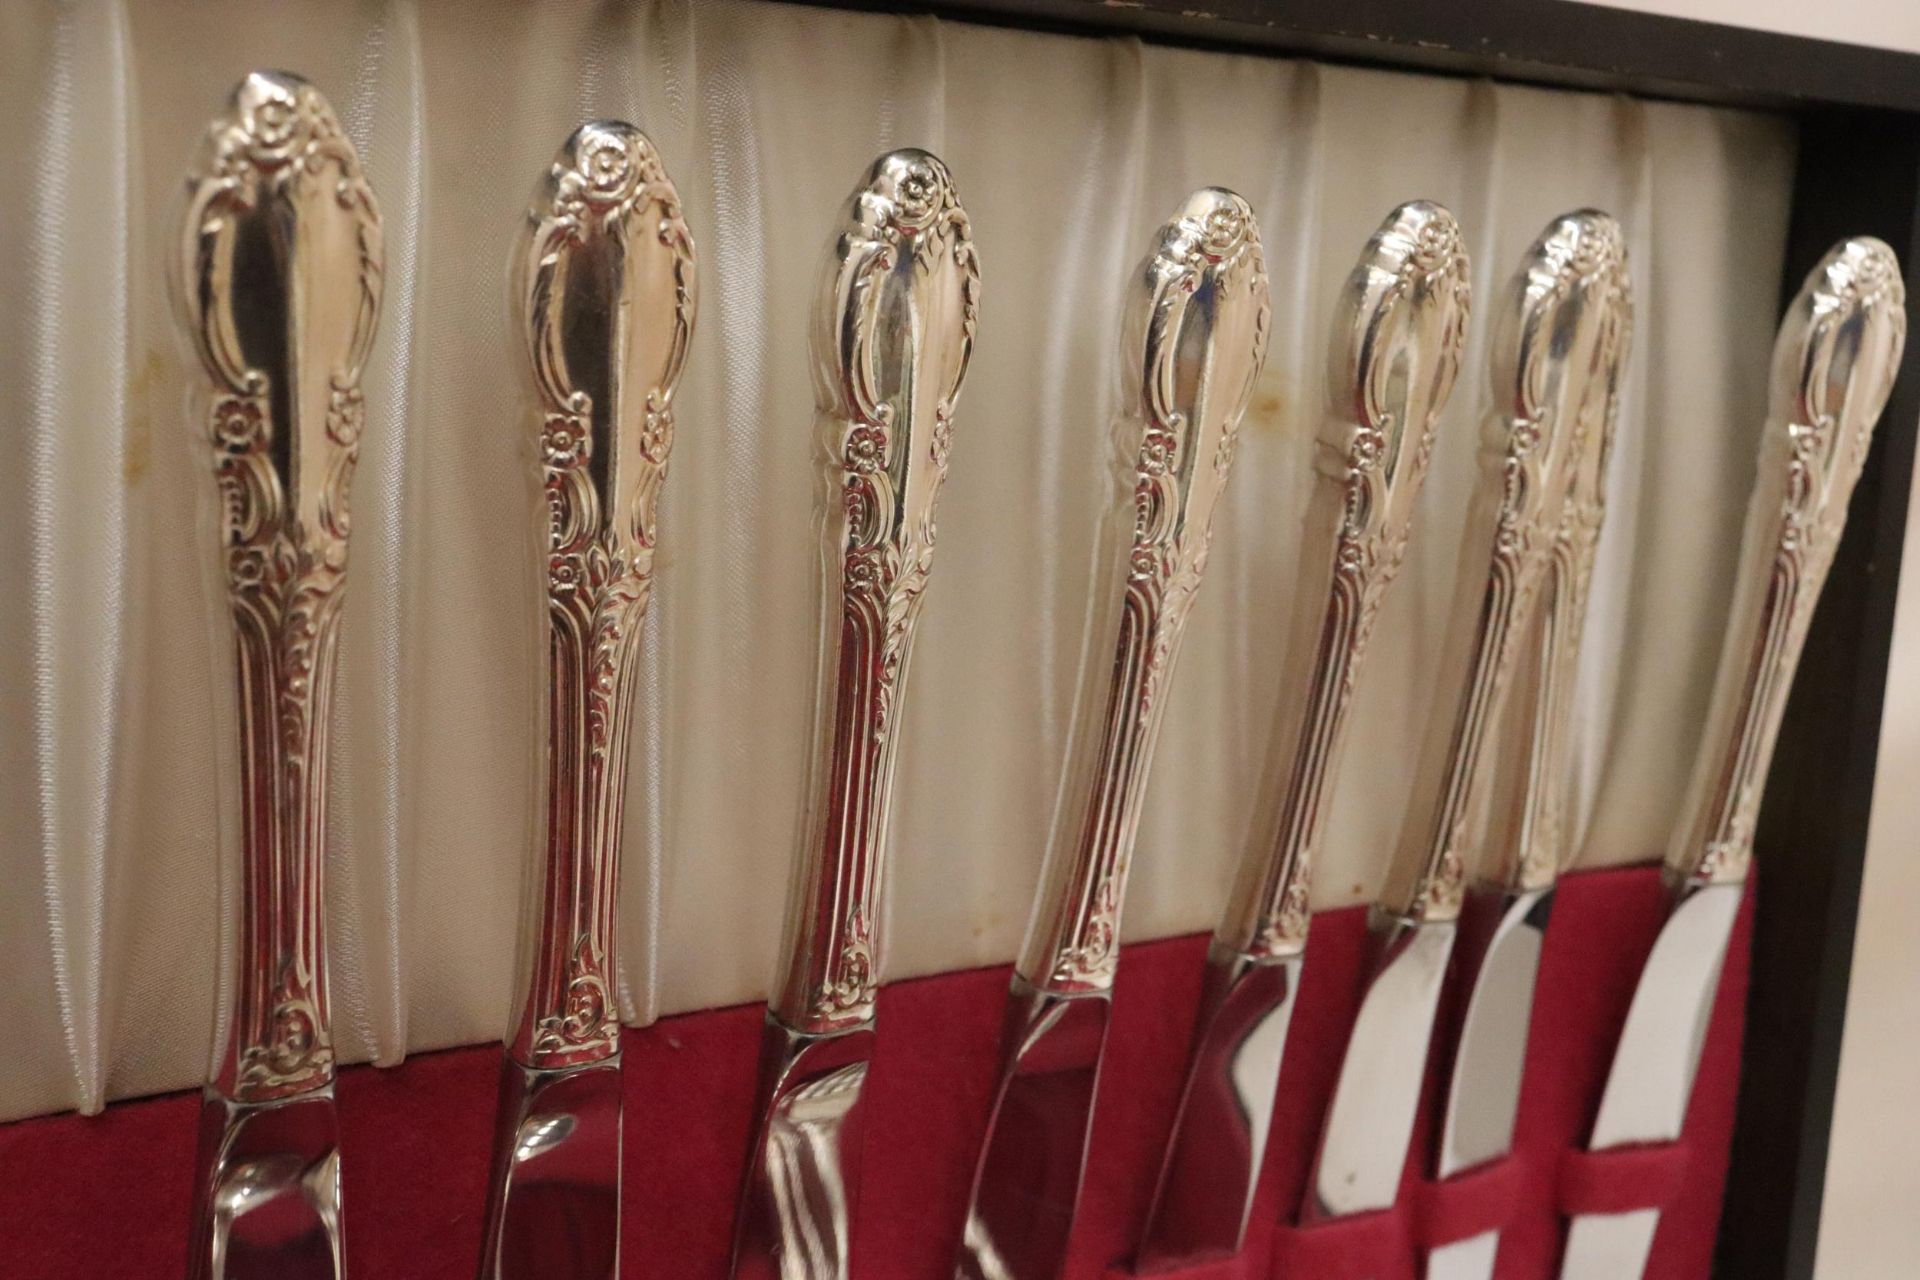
x,y
1067,152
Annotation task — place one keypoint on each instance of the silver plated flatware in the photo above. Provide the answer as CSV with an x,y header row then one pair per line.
x,y
1194,340
605,292
1397,336
893,330
1834,363
1544,327
277,280
1508,904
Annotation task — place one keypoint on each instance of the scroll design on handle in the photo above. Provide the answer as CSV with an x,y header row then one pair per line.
x,y
284,525
606,205
892,339
1538,842
1178,441
1834,364
1394,357
1550,330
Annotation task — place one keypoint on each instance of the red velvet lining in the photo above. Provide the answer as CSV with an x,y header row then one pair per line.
x,y
1368,1246
1623,1178
106,1198
1482,1199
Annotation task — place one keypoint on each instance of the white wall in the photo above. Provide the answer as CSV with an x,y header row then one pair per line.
x,y
1890,24
1868,1227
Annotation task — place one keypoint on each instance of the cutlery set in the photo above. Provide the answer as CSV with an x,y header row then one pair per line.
x,y
1398,332
1557,349
278,276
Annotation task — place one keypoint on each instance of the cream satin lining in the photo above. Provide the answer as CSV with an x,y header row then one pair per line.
x,y
1067,151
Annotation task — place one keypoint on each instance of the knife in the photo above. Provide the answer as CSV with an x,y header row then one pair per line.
x,y
605,292
1194,340
1833,367
893,330
277,281
1397,335
1505,917
1528,448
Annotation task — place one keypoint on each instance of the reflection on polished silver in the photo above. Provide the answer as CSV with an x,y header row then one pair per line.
x,y
1397,338
893,332
1527,842
1549,333
605,291
269,1200
1833,368
278,279
1194,341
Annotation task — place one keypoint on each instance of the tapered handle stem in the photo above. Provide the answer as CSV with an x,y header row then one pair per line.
x,y
1531,829
1397,336
1833,368
1195,340
606,291
278,279
1552,328
892,334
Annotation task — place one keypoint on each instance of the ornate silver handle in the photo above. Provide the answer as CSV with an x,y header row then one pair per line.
x,y
605,281
278,282
1833,367
1527,844
1554,324
1195,339
1397,335
892,333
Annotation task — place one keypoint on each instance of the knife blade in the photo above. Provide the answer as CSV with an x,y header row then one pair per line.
x,y
1397,336
604,279
1526,842
1195,335
893,331
1834,362
1528,456
277,279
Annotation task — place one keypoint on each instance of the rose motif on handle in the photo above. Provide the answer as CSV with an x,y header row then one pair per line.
x,y
276,164
605,432
905,249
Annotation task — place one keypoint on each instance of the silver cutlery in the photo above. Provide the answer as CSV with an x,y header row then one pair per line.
x,y
277,280
893,330
1527,841
1195,334
1834,363
605,291
1546,326
1397,336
